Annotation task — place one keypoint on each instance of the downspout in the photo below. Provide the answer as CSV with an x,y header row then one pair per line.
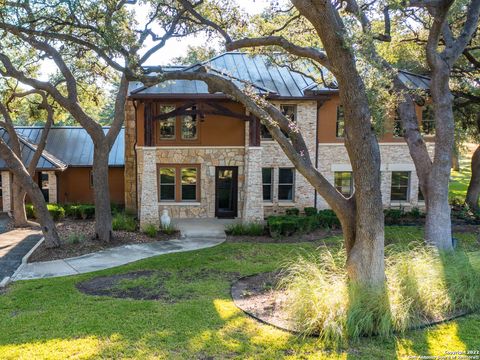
x,y
319,105
135,152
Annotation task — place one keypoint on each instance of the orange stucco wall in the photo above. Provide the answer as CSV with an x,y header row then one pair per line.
x,y
327,118
214,130
74,186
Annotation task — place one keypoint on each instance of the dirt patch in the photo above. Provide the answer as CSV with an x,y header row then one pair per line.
x,y
314,236
77,238
150,284
259,297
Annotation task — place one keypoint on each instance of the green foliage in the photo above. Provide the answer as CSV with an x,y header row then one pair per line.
x,y
422,286
310,211
122,221
169,229
75,239
30,211
247,229
56,211
150,230
292,211
287,225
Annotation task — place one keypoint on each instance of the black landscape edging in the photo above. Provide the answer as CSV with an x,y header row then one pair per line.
x,y
295,332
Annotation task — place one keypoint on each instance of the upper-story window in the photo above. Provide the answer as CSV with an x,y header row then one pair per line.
x,y
189,126
340,125
397,125
184,127
167,126
290,112
428,121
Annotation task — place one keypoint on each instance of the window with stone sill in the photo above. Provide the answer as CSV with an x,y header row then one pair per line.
x,y
267,184
179,183
343,181
289,111
286,184
400,188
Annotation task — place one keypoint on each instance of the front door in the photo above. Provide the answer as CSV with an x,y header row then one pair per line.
x,y
226,191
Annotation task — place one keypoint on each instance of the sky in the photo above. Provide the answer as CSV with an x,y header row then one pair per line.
x,y
174,47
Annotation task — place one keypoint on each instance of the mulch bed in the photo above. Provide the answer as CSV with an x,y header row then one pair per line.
x,y
118,286
313,236
86,229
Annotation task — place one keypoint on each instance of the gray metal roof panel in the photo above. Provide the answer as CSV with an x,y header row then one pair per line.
x,y
73,146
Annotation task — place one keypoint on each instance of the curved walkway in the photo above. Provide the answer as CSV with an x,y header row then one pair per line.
x,y
109,258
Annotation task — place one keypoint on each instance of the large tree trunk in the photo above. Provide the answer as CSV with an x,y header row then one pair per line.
x,y
103,214
19,213
24,179
473,192
438,226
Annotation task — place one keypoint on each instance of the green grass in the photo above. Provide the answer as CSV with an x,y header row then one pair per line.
x,y
51,319
460,179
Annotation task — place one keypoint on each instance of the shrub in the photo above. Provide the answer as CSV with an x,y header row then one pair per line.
x,y
169,229
310,211
86,211
124,222
393,216
282,225
30,211
415,213
150,230
292,212
423,285
247,229
56,211
75,238
328,219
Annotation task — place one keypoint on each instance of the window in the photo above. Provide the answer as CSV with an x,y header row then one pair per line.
x,y
400,186
428,121
189,126
397,125
290,112
343,181
178,183
340,126
167,184
420,194
189,184
267,184
167,126
43,184
286,180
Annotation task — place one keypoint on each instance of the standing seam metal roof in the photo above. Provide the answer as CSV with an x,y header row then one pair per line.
x,y
67,145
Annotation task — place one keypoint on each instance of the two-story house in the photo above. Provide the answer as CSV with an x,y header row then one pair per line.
x,y
198,154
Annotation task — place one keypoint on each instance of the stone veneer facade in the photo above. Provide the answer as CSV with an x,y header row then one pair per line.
x,y
141,186
6,191
395,157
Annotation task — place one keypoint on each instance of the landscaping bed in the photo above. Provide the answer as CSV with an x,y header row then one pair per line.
x,y
77,238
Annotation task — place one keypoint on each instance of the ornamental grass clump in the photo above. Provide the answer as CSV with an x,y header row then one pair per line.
x,y
423,286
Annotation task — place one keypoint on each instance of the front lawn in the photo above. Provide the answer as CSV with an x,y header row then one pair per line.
x,y
52,319
459,180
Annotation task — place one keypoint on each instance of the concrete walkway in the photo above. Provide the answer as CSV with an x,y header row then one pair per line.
x,y
14,245
196,234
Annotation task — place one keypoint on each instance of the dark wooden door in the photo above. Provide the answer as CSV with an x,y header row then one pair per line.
x,y
226,191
